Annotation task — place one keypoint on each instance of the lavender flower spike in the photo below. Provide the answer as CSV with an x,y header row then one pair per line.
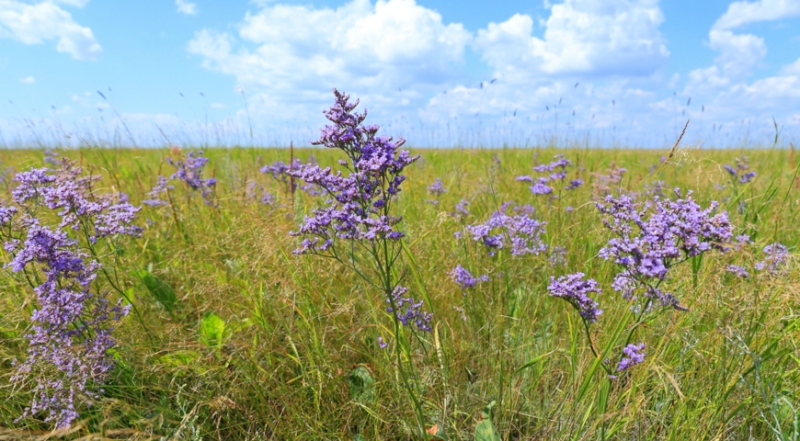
x,y
437,188
633,354
574,289
776,257
465,279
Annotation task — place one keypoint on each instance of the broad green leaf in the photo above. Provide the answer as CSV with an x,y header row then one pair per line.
x,y
362,386
163,293
179,358
485,430
212,330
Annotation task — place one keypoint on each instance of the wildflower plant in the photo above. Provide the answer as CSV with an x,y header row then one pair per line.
x,y
279,171
357,226
649,239
521,233
190,171
70,337
740,174
548,175
436,190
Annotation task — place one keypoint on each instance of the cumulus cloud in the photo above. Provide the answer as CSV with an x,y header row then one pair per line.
x,y
791,69
741,13
36,23
738,53
298,53
186,7
588,37
27,80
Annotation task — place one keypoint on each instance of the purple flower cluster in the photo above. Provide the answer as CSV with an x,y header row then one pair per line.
x,y
408,310
70,336
521,231
776,257
549,173
574,289
162,186
604,183
436,189
465,279
558,256
360,206
461,209
279,171
651,237
740,173
266,197
67,191
190,171
633,354
738,271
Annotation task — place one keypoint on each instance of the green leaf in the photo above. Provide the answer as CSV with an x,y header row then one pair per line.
x,y
362,386
179,358
531,363
163,293
212,330
485,430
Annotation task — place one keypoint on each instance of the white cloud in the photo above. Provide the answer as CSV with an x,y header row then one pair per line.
x,y
27,80
741,13
186,7
594,37
36,23
739,53
217,105
791,69
296,54
75,3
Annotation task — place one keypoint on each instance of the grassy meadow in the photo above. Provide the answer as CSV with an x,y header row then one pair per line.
x,y
234,337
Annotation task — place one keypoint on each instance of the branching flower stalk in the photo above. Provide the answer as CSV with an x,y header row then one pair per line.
x,y
649,239
70,337
357,227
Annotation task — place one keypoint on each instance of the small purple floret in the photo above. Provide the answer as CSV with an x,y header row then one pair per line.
x,y
633,354
574,289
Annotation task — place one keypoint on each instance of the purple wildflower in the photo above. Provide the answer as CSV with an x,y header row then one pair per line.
x,y
461,208
604,183
6,214
437,188
70,335
738,271
279,171
465,279
162,186
558,256
408,310
633,354
652,237
776,257
360,209
522,232
574,289
190,171
573,184
740,173
541,188
549,173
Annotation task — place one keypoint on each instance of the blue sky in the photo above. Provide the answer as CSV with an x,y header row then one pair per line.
x,y
603,72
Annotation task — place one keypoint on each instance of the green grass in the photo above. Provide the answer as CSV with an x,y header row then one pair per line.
x,y
299,330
